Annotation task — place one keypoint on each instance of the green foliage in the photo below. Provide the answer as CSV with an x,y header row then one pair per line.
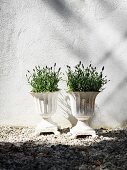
x,y
85,79
44,79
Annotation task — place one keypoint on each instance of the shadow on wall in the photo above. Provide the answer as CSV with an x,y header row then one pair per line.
x,y
111,53
65,108
73,46
109,5
66,12
30,155
103,9
117,99
63,9
120,88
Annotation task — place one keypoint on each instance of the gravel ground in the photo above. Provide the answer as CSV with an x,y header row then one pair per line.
x,y
20,150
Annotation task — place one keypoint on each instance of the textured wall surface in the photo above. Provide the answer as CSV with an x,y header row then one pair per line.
x,y
40,32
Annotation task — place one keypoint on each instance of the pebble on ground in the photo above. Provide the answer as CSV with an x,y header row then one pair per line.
x,y
21,150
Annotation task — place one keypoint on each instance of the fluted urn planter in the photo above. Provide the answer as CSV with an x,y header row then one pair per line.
x,y
46,105
82,106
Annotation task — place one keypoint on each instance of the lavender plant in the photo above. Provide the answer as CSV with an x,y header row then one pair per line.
x,y
44,79
85,79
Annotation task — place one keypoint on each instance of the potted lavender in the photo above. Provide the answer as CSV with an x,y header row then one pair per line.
x,y
84,84
44,82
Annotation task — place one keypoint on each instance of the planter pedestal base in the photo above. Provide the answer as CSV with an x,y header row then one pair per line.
x,y
46,127
81,128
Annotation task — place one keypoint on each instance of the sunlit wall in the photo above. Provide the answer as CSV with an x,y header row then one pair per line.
x,y
42,32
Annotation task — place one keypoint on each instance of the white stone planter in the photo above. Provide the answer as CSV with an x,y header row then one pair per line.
x,y
46,105
82,107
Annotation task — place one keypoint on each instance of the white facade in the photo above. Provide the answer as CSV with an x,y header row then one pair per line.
x,y
42,32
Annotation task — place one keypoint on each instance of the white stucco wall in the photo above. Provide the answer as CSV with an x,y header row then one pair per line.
x,y
40,32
